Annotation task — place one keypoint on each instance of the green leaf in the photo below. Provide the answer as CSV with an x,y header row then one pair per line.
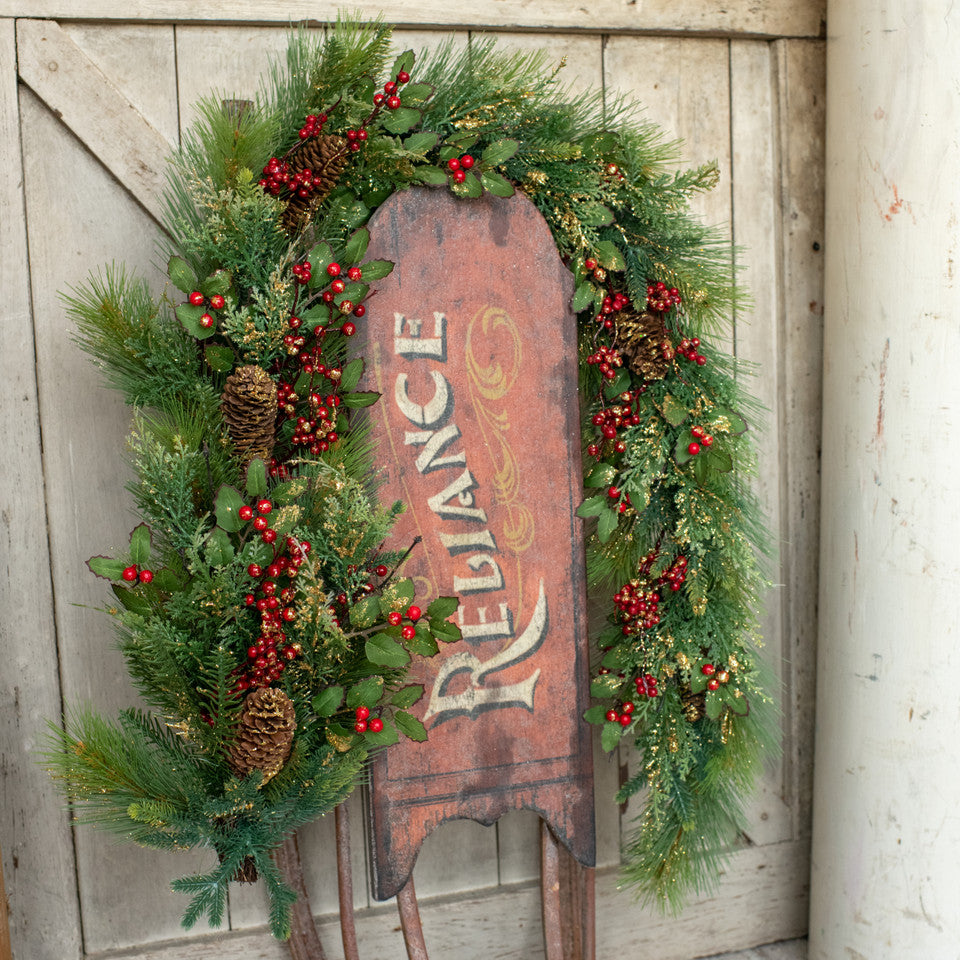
x,y
403,64
386,652
420,142
739,705
499,152
410,726
423,644
218,282
443,607
735,423
182,275
471,186
719,459
698,681
225,507
401,120
140,539
218,548
366,693
602,688
433,176
360,399
618,384
357,245
681,452
285,520
714,705
445,631
609,256
448,153
461,142
583,296
397,596
365,613
257,479
596,714
407,696
377,269
606,524
320,257
290,490
601,475
351,374
327,702
610,736
701,469
417,92
166,580
496,184
596,215
674,412
221,359
132,600
592,507
107,567
385,738
189,316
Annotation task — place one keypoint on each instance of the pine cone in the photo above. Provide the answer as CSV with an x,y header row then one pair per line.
x,y
265,734
325,157
694,704
249,407
643,339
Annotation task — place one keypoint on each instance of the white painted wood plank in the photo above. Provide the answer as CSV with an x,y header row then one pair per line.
x,y
758,17
38,862
79,218
505,924
801,83
458,856
756,230
583,55
96,110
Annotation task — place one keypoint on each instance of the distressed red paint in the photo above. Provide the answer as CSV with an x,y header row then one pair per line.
x,y
472,343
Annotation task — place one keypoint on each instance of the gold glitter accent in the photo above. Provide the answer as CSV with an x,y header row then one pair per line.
x,y
684,661
699,605
733,662
536,177
673,743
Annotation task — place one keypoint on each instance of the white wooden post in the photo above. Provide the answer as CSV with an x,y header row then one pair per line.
x,y
886,874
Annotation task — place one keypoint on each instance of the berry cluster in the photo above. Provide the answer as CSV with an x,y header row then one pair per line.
x,y
390,96
364,721
458,167
638,607
676,574
662,298
646,685
408,631
716,676
317,430
134,574
312,126
701,439
611,305
217,302
622,499
302,272
690,348
612,419
624,716
356,138
608,359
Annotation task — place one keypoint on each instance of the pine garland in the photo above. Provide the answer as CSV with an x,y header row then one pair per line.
x,y
261,545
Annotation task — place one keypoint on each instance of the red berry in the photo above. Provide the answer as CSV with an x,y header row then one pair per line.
x,y
693,448
394,618
254,570
375,725
289,614
146,576
708,669
196,298
625,720
260,523
338,286
264,506
360,726
614,493
414,613
613,716
590,263
354,273
363,713
378,98
713,684
333,269
466,161
359,310
381,570
408,632
708,440
403,76
206,321
217,302
459,176
453,163
349,329
269,536
130,574
393,102
389,87
245,512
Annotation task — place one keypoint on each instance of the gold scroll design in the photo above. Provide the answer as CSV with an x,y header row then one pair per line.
x,y
488,383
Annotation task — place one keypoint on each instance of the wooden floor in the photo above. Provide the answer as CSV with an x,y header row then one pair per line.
x,y
785,950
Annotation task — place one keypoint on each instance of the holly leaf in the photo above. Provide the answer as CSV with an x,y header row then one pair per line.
x,y
595,714
471,186
422,644
735,423
443,607
218,282
606,524
417,92
403,64
384,738
132,600
596,215
445,631
583,296
592,507
327,702
377,269
674,412
140,542
609,256
189,316
402,119
365,613
601,475
681,452
386,652
701,469
500,151
218,548
397,596
166,580
257,479
739,705
320,257
182,275
496,184
719,460
351,374
366,693
714,705
410,726
461,142
602,688
107,567
618,384
407,696
357,245
360,399
420,142
220,359
228,501
610,735
433,176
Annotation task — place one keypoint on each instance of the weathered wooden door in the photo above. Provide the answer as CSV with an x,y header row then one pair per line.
x,y
87,110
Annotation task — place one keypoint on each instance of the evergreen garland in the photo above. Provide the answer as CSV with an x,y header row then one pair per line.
x,y
261,546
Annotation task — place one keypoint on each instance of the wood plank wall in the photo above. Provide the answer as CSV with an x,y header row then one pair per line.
x,y
88,88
